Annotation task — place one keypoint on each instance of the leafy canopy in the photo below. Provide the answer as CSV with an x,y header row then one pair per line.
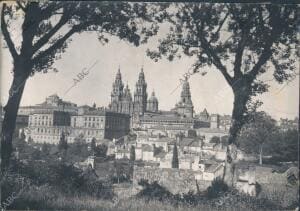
x,y
46,27
241,40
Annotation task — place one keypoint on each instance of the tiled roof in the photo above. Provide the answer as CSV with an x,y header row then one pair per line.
x,y
212,130
160,155
212,167
147,148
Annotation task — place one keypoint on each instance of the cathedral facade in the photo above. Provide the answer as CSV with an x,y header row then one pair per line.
x,y
122,101
140,106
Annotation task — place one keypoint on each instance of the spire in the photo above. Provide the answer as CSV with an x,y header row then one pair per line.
x,y
118,76
142,75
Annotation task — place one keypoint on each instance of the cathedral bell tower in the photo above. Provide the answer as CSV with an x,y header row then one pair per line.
x,y
117,92
185,106
140,95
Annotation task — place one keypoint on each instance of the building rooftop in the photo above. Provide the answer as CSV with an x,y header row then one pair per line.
x,y
212,130
147,148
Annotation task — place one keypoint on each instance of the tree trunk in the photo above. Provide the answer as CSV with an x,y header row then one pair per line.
x,y
260,154
10,116
241,97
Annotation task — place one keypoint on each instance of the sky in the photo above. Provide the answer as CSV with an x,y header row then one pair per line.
x,y
85,51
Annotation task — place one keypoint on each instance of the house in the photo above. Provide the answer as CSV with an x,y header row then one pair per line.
x,y
147,152
122,153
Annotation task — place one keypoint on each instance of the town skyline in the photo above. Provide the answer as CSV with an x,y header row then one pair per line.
x,y
210,91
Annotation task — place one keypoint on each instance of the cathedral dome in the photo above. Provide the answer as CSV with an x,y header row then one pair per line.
x,y
153,99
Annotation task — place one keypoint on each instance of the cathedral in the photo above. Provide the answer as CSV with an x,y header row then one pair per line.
x,y
140,105
122,101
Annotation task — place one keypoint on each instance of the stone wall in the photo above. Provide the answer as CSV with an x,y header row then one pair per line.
x,y
175,180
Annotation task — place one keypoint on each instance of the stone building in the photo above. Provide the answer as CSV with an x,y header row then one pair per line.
x,y
140,95
99,124
152,104
121,98
51,103
204,116
185,106
47,126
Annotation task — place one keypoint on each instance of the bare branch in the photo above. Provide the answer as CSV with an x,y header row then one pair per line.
x,y
43,40
220,26
216,60
20,5
267,52
7,36
57,44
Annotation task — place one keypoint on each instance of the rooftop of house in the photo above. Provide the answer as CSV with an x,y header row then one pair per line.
x,y
147,148
161,154
165,116
212,167
212,130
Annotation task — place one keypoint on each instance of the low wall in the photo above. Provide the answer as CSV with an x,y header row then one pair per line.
x,y
175,180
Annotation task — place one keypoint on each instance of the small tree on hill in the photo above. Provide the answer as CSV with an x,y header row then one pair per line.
x,y
215,139
132,153
45,149
175,162
257,135
63,144
93,145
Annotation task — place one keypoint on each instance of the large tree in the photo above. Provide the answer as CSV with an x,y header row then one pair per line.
x,y
46,29
242,41
257,135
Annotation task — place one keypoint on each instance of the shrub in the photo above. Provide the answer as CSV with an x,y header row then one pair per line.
x,y
154,191
217,187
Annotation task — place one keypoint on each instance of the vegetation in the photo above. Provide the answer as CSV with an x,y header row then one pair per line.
x,y
215,139
241,41
217,188
43,41
258,134
216,197
132,153
175,161
261,136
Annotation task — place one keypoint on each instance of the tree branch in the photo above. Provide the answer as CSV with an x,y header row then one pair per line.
x,y
220,26
7,36
207,48
216,60
57,44
267,52
20,5
43,40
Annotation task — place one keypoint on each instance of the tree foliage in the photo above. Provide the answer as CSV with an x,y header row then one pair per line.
x,y
242,41
215,139
259,131
132,153
45,32
175,161
258,134
62,144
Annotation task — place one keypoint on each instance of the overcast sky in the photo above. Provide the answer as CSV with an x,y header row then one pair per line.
x,y
209,91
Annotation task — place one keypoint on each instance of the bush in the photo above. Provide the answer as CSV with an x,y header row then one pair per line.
x,y
217,188
154,191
